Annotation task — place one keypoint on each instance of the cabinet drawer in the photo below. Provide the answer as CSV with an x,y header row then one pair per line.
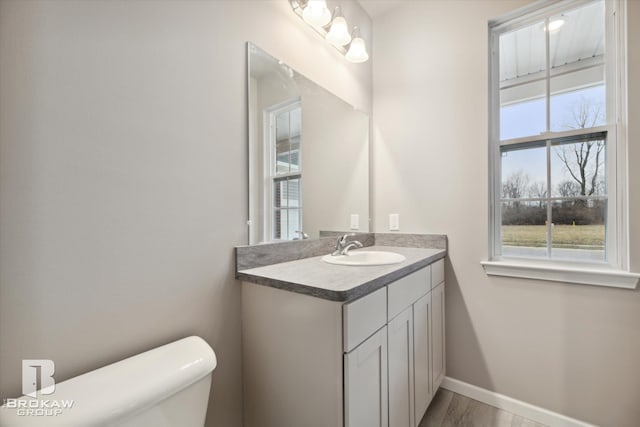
x,y
363,317
405,291
437,273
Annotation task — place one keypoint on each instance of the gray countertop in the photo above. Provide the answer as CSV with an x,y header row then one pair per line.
x,y
314,277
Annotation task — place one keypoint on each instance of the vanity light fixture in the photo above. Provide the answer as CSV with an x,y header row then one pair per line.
x,y
333,28
357,49
316,13
338,34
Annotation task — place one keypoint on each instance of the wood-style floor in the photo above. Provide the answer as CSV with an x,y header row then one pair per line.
x,y
452,409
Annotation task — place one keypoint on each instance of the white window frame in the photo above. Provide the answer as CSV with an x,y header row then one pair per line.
x,y
615,272
271,175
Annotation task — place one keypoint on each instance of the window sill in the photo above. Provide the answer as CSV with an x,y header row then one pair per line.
x,y
585,275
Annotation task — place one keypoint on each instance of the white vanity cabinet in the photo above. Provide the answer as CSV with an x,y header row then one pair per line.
x,y
422,336
401,369
365,361
416,344
373,362
437,319
365,383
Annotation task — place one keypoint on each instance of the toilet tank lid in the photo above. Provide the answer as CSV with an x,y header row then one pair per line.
x,y
111,393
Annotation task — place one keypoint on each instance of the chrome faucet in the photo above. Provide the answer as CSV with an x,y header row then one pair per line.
x,y
342,247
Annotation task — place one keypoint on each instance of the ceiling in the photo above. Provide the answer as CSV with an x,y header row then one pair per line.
x,y
523,52
376,8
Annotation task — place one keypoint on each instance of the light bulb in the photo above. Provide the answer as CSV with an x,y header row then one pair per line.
x,y
316,13
357,49
556,24
338,34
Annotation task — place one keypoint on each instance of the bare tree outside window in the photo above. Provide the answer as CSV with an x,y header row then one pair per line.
x,y
569,188
538,190
584,161
515,186
577,177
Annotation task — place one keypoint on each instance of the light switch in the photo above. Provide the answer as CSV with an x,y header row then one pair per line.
x,y
394,222
355,222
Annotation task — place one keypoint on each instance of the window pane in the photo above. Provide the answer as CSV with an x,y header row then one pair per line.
x,y
294,154
522,52
282,126
287,193
295,122
277,223
524,172
577,35
523,110
288,126
578,169
281,225
282,157
279,202
578,230
577,47
580,108
279,193
293,193
287,217
294,223
522,102
524,232
288,156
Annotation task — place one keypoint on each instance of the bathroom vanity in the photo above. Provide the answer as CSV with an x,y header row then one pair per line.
x,y
334,345
328,345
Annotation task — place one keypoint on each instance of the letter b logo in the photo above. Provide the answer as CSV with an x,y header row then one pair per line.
x,y
30,370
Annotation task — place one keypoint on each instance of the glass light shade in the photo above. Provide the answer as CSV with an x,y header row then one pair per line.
x,y
316,13
357,49
339,32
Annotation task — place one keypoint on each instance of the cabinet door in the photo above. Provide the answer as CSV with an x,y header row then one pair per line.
x,y
401,387
366,392
438,335
422,356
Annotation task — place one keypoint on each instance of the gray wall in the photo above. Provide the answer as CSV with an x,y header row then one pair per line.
x,y
573,349
123,181
335,164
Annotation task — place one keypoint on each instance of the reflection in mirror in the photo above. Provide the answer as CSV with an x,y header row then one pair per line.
x,y
308,156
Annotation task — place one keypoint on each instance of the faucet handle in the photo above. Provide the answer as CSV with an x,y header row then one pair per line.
x,y
303,235
343,239
342,243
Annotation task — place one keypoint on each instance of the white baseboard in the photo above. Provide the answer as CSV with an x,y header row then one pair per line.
x,y
518,407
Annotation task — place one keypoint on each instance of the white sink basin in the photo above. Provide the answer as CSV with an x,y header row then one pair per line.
x,y
363,258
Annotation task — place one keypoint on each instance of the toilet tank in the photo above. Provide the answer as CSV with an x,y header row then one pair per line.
x,y
164,387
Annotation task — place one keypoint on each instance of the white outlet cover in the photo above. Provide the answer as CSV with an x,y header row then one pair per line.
x,y
394,222
355,221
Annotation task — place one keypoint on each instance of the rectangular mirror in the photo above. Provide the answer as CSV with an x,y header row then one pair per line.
x,y
308,156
